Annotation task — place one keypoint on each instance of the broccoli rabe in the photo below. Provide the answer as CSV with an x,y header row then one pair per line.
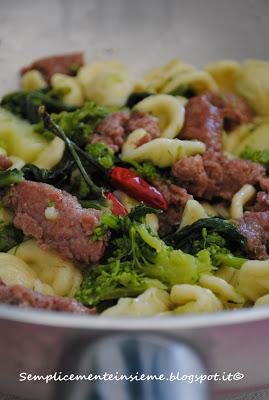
x,y
9,236
217,248
147,170
101,153
10,177
137,259
25,104
79,124
258,156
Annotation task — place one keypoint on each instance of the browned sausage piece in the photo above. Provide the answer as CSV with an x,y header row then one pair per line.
x,y
111,131
203,122
51,65
255,227
114,129
20,296
5,162
176,197
233,109
70,233
214,175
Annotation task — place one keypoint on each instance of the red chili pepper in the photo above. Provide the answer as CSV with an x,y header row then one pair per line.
x,y
132,184
117,208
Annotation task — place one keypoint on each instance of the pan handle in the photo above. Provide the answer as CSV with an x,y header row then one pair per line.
x,y
117,362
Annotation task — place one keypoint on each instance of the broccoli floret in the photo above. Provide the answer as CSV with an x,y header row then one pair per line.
x,y
217,248
10,177
138,259
80,124
9,236
147,170
101,153
258,156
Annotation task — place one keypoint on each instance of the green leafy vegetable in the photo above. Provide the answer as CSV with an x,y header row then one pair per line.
x,y
73,149
183,238
10,177
9,237
147,170
80,124
25,104
101,153
56,177
136,260
258,156
216,246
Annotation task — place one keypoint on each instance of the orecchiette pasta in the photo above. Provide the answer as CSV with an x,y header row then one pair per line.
x,y
162,152
252,280
14,271
262,301
108,83
18,137
199,81
61,275
193,211
51,155
33,80
170,111
253,84
152,301
221,288
225,73
226,273
17,162
194,299
156,78
240,199
74,95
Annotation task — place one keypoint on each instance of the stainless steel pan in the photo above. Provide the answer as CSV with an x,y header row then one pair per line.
x,y
143,33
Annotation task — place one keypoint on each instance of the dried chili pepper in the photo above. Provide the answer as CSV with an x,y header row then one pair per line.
x,y
117,207
132,184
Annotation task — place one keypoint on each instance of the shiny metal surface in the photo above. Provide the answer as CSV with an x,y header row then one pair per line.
x,y
142,33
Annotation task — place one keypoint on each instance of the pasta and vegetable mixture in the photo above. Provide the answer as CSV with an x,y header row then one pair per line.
x,y
135,197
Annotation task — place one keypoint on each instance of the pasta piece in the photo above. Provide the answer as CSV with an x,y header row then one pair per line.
x,y
226,273
152,221
74,95
253,84
257,138
199,81
252,280
221,288
156,78
51,155
108,83
170,111
14,271
225,73
152,301
194,299
262,301
18,137
162,152
240,199
17,162
33,80
193,211
231,142
61,275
